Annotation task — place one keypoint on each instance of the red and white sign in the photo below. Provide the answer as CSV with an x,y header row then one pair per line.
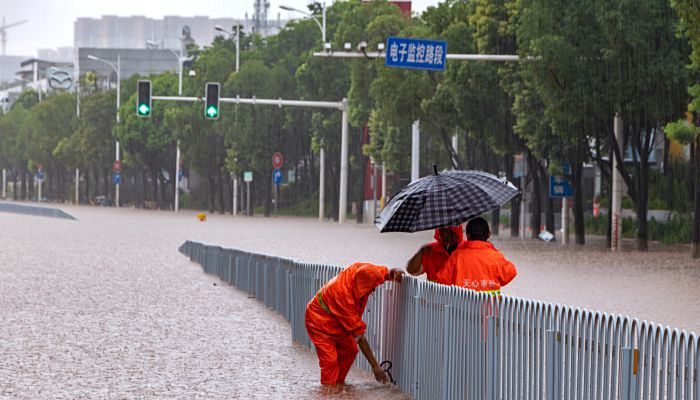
x,y
277,160
117,166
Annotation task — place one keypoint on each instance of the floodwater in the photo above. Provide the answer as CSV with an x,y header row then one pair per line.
x,y
106,307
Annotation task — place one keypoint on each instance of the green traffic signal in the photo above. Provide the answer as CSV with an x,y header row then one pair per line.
x,y
211,96
144,110
143,98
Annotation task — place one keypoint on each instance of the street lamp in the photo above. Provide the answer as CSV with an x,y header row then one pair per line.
x,y
180,60
238,51
321,25
116,69
238,42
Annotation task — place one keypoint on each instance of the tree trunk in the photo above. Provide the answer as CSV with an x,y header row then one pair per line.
x,y
695,243
548,204
24,190
536,204
212,194
144,187
163,203
642,208
221,191
515,203
495,214
15,194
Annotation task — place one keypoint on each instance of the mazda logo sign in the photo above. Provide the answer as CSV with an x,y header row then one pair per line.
x,y
60,79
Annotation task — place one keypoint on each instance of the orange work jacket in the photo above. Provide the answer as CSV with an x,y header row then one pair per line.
x,y
477,265
344,299
434,259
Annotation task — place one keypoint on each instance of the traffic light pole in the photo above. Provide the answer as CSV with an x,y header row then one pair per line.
x,y
340,105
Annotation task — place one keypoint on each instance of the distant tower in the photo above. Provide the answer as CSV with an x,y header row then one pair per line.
x,y
260,17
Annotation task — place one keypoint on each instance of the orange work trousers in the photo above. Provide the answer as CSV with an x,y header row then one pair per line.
x,y
336,351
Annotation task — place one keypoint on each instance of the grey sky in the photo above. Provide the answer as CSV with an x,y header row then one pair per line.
x,y
51,21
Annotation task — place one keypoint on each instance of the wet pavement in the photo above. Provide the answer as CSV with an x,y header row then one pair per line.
x,y
106,307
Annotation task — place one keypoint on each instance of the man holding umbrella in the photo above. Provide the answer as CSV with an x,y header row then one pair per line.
x,y
430,258
448,199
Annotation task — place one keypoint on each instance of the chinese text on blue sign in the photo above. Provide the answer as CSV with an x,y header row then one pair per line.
x,y
559,187
416,53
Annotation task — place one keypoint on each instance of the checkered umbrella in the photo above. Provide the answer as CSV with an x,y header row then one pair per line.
x,y
444,199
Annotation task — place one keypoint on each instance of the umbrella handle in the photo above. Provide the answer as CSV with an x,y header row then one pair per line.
x,y
387,370
435,169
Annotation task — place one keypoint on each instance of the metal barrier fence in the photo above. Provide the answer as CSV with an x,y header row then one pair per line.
x,y
450,343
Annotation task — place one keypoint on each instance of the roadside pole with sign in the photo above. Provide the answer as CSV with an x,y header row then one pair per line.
x,y
560,188
39,180
420,54
277,162
247,178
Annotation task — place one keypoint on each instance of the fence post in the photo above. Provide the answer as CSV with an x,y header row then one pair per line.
x,y
416,351
553,363
628,384
491,358
447,329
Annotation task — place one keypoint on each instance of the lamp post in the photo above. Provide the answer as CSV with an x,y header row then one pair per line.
x,y
220,28
238,41
181,58
322,154
117,70
321,24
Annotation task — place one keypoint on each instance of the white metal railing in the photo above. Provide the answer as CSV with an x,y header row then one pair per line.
x,y
450,343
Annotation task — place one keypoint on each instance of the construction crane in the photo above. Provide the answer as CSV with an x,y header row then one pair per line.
x,y
3,32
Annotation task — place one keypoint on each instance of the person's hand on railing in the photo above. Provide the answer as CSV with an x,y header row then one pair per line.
x,y
395,274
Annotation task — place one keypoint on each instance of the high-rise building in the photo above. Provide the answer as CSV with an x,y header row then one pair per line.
x,y
134,32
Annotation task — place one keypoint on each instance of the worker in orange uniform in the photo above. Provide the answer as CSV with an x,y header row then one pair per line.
x,y
334,320
477,265
430,258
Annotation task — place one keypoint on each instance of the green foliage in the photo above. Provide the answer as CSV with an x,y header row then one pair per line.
x,y
682,132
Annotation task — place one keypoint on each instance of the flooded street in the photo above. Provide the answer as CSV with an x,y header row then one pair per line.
x,y
106,307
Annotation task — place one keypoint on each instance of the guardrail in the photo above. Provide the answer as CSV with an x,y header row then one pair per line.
x,y
450,343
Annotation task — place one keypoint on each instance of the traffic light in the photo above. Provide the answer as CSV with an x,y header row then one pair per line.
x,y
143,101
211,107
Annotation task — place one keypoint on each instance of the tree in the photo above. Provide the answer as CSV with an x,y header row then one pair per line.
x,y
643,61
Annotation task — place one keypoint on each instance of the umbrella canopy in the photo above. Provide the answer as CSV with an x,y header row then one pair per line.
x,y
444,199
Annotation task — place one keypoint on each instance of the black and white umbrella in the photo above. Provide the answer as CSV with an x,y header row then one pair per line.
x,y
444,199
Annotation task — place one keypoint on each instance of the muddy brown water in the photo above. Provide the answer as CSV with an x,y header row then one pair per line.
x,y
105,306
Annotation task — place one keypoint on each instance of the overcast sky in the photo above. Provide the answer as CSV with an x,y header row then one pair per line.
x,y
51,21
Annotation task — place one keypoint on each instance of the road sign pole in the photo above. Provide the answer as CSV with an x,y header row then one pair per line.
x,y
247,190
177,175
235,194
277,196
617,190
415,151
343,201
77,186
321,183
116,185
564,220
4,183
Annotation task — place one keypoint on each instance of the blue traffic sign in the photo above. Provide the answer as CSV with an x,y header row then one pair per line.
x,y
559,187
116,178
277,176
416,53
